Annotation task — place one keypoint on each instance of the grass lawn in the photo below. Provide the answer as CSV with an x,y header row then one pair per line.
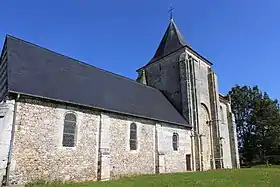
x,y
219,178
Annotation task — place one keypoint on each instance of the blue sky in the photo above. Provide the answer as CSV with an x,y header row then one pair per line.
x,y
240,37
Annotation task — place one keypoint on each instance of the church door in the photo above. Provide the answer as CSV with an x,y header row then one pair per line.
x,y
188,162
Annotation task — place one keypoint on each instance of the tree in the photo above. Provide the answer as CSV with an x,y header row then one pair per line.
x,y
258,124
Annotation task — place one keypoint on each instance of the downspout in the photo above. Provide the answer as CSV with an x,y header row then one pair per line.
x,y
212,144
8,169
156,151
192,151
200,148
99,149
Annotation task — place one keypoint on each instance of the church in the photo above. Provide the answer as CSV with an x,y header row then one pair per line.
x,y
62,119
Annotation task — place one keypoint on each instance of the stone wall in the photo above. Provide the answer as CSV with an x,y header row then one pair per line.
x,y
38,153
202,107
102,139
201,71
170,160
192,87
165,76
215,123
124,161
183,77
233,138
204,115
224,133
205,137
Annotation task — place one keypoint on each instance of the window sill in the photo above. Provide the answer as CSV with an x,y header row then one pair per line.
x,y
68,148
134,151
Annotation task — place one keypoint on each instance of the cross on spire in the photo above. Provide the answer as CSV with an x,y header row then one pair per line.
x,y
171,12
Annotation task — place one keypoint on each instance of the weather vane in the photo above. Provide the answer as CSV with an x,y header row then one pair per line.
x,y
171,12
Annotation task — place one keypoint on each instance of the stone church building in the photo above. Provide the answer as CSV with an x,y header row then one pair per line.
x,y
62,119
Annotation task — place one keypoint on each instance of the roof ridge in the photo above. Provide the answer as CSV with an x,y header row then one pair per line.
x,y
80,62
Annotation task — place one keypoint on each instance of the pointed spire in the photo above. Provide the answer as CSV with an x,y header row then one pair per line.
x,y
171,42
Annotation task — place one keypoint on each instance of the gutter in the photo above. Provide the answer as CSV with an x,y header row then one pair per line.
x,y
8,169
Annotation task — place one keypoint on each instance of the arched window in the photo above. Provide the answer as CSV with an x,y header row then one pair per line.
x,y
69,130
133,136
222,114
175,140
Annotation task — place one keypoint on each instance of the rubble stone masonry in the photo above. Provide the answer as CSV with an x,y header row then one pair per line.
x,y
38,153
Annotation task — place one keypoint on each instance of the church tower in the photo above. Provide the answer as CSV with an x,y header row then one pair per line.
x,y
187,80
163,71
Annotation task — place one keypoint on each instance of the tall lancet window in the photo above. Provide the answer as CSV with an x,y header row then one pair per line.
x,y
69,130
175,140
133,136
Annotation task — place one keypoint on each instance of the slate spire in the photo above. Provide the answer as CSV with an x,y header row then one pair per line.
x,y
171,42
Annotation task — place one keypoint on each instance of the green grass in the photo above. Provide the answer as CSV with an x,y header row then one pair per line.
x,y
266,166
249,177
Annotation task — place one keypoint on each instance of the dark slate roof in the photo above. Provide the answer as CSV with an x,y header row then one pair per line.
x,y
171,42
39,72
